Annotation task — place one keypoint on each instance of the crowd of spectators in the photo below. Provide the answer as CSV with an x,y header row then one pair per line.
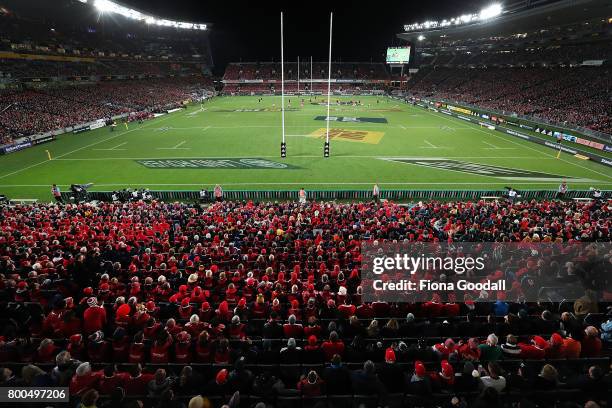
x,y
31,111
320,87
585,100
176,304
27,69
272,70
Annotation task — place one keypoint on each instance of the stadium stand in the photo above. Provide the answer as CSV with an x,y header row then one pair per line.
x,y
516,72
176,300
58,76
239,78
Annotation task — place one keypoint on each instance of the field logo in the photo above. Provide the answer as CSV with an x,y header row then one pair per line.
x,y
349,135
246,163
349,119
480,169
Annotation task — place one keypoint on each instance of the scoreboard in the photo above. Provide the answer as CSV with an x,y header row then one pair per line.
x,y
398,55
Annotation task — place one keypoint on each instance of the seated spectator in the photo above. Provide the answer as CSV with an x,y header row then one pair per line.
x,y
492,378
84,380
337,377
511,348
490,351
591,343
159,384
293,329
548,378
366,380
332,346
555,349
390,373
311,385
420,383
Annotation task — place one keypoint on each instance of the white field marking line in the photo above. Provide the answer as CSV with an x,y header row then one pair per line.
x,y
206,128
494,147
177,147
309,157
84,147
431,146
114,148
493,133
403,127
366,183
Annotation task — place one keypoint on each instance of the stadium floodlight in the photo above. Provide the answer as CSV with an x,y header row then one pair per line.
x,y
491,11
108,6
104,6
421,37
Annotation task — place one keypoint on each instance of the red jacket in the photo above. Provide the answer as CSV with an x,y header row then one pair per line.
x,y
572,348
108,384
330,348
531,352
293,330
78,385
182,353
137,385
160,352
591,347
137,353
95,319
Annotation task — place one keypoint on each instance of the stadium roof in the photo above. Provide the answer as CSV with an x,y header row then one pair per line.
x,y
521,20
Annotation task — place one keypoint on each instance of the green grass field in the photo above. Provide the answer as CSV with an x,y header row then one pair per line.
x,y
414,149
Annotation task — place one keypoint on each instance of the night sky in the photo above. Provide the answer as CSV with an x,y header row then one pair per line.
x,y
249,30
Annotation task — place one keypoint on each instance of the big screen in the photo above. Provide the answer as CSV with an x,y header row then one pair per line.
x,y
398,55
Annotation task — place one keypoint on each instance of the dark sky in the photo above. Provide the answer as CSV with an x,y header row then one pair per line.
x,y
249,30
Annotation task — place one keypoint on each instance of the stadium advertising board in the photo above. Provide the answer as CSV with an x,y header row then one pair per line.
x,y
398,55
15,147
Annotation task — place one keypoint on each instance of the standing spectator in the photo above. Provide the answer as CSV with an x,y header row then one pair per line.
x,y
55,190
375,193
562,191
94,316
218,193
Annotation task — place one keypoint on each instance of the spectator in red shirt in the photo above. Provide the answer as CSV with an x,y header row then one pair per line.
x,y
572,347
111,379
94,316
293,329
46,351
182,348
311,385
591,343
160,350
84,379
332,346
535,350
556,349
137,382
